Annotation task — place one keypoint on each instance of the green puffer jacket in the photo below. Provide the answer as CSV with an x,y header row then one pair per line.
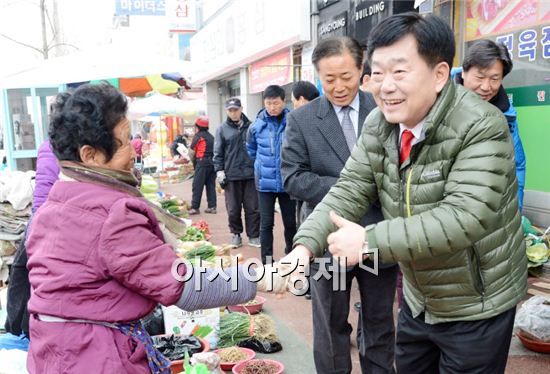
x,y
452,218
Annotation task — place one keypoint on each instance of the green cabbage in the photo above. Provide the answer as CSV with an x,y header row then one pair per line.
x,y
537,254
148,185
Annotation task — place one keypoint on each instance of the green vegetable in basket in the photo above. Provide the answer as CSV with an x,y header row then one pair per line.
x,y
148,185
204,251
193,234
537,254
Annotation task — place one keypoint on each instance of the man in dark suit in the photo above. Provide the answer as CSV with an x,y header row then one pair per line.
x,y
319,138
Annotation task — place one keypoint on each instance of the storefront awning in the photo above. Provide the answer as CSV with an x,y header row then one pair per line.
x,y
106,63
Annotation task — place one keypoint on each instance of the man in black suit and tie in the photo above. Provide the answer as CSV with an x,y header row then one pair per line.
x,y
319,138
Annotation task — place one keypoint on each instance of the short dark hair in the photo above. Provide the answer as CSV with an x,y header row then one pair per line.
x,y
434,37
86,116
305,89
484,53
273,91
366,69
337,46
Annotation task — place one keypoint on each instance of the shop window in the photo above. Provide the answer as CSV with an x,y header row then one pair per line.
x,y
444,9
21,119
234,87
25,164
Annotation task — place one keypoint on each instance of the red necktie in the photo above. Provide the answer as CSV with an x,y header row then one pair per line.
x,y
406,143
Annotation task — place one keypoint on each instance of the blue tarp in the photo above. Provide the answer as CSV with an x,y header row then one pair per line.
x,y
10,341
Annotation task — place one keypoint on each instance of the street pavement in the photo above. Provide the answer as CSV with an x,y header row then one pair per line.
x,y
292,314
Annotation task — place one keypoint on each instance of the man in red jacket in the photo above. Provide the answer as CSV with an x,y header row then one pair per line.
x,y
203,146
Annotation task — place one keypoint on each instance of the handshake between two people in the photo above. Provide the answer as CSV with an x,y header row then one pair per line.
x,y
346,245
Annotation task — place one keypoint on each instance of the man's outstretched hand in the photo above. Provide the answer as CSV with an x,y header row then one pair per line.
x,y
280,276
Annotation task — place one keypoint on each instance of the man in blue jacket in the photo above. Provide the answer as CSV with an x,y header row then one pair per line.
x,y
264,141
484,67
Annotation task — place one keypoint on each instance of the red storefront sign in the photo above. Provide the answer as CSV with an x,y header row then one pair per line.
x,y
489,17
275,69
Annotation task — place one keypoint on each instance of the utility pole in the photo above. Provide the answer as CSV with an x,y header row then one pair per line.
x,y
48,19
45,48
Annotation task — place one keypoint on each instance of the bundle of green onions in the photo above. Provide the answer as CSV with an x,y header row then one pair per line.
x,y
206,252
236,327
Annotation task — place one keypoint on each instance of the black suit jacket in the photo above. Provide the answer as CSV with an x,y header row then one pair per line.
x,y
315,150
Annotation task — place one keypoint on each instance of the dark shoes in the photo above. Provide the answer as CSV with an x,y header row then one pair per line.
x,y
193,211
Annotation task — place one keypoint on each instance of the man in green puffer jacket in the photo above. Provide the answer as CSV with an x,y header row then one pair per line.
x,y
440,161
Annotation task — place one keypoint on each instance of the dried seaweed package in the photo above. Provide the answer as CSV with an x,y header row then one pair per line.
x,y
262,346
173,347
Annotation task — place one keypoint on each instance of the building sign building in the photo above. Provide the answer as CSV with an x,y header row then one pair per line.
x,y
336,26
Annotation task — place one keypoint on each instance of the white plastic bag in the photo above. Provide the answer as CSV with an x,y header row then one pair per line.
x,y
13,361
534,318
183,151
210,359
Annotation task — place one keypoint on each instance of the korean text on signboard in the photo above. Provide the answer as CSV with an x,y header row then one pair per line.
x,y
489,17
181,15
528,44
140,7
275,69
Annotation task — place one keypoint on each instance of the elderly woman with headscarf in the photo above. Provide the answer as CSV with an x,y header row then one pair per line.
x,y
98,255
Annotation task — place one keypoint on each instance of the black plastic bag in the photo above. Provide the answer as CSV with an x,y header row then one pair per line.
x,y
261,346
154,322
173,347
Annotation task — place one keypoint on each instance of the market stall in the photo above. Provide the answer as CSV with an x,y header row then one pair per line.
x,y
158,109
237,331
26,96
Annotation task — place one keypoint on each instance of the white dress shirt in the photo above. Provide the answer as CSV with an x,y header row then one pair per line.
x,y
353,113
417,131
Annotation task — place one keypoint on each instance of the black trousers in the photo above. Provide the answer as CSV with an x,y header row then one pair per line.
x,y
453,347
241,195
267,212
19,292
204,176
331,330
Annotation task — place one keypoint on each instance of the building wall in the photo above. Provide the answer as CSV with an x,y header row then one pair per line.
x,y
238,35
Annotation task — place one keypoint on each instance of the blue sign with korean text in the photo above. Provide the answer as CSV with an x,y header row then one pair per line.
x,y
140,7
528,42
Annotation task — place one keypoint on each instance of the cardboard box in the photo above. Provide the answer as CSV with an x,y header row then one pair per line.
x,y
203,323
